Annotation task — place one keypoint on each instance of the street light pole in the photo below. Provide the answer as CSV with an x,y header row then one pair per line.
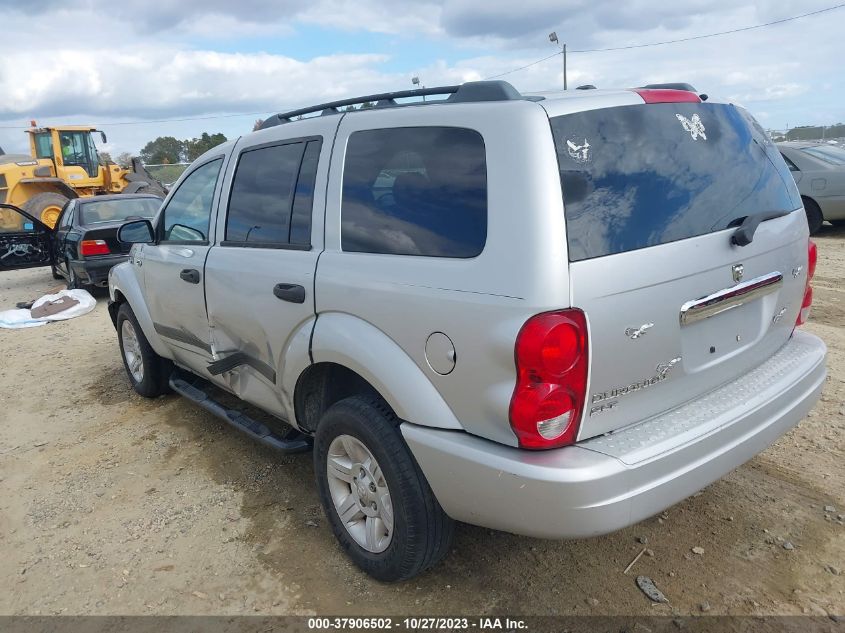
x,y
416,82
554,40
564,66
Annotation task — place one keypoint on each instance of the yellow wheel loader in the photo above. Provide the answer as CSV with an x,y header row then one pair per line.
x,y
64,164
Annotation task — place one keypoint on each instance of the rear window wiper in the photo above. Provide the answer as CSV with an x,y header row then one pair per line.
x,y
744,234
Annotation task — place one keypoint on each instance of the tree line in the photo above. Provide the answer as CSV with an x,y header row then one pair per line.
x,y
811,133
167,150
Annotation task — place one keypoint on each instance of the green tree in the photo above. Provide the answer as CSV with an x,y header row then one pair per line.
x,y
196,147
165,149
124,159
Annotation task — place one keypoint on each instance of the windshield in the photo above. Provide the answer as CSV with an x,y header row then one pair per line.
x,y
642,175
99,211
832,155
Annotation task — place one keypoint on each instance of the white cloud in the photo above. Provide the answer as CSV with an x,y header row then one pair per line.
x,y
175,59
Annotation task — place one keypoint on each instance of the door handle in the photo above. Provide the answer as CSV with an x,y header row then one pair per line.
x,y
191,275
290,292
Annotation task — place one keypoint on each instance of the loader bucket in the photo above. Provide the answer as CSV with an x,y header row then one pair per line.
x,y
141,180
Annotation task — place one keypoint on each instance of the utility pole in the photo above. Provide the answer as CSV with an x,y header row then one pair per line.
x,y
564,66
553,39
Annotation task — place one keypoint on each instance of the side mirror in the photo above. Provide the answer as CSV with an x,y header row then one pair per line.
x,y
103,136
136,232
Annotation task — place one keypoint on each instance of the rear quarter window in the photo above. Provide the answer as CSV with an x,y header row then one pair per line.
x,y
415,191
644,175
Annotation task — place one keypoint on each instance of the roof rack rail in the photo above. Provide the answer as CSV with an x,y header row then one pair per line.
x,y
469,92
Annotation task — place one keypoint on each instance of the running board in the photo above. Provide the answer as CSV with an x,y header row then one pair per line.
x,y
291,442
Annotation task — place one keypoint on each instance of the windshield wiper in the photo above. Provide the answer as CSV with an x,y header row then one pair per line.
x,y
744,234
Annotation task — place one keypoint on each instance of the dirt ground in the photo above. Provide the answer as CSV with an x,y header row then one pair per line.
x,y
113,504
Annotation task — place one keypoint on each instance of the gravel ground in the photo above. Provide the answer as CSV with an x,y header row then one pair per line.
x,y
113,504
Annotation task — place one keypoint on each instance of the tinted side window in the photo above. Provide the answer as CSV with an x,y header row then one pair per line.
x,y
186,217
415,191
303,202
792,166
263,193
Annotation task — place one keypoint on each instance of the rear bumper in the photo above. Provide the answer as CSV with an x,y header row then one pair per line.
x,y
616,480
95,272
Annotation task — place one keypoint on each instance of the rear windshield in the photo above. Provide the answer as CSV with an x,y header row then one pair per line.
x,y
643,175
117,210
832,155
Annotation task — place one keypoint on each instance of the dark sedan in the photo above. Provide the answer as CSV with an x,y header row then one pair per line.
x,y
85,244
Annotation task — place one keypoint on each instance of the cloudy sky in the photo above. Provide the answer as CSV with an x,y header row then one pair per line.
x,y
72,61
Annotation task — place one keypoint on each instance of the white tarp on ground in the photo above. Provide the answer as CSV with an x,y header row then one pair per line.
x,y
13,319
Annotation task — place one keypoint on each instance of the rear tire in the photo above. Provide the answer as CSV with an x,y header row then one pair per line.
x,y
815,219
410,532
73,282
148,372
46,207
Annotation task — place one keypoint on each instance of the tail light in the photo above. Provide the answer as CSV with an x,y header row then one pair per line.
x,y
665,95
93,247
812,258
551,379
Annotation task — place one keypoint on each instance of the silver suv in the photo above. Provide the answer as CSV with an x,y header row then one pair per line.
x,y
554,316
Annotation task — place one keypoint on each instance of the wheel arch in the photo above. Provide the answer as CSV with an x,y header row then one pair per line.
x,y
355,353
27,188
124,288
805,198
320,386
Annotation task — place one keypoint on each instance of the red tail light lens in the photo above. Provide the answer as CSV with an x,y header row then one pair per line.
x,y
93,247
551,379
665,95
806,304
812,258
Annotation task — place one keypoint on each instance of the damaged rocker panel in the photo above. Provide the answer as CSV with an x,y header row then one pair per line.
x,y
230,362
182,336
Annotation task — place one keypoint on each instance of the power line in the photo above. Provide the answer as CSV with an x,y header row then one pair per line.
x,y
539,61
507,72
701,37
683,39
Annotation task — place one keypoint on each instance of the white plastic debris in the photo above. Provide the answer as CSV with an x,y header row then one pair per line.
x,y
14,319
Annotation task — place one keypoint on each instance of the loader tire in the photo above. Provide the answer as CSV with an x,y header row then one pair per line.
x,y
46,207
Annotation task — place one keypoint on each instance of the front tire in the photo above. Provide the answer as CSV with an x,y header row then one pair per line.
x,y
815,219
148,372
377,501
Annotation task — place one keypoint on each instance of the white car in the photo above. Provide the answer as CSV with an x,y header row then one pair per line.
x,y
819,172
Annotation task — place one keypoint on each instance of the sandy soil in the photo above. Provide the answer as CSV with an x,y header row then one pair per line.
x,y
113,504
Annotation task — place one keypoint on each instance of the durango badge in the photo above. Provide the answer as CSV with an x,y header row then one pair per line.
x,y
661,373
